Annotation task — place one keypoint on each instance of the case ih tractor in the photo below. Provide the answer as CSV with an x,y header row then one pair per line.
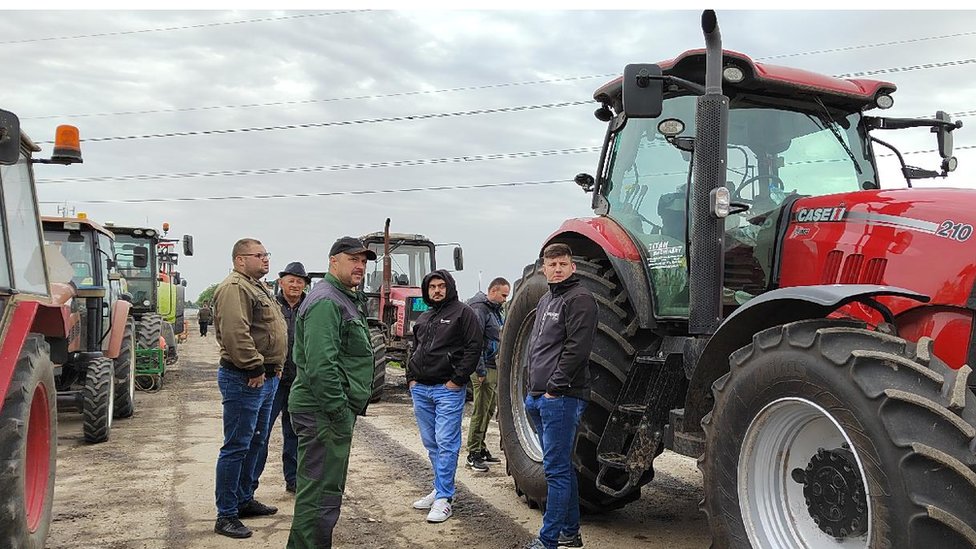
x,y
392,288
157,297
98,377
33,332
766,307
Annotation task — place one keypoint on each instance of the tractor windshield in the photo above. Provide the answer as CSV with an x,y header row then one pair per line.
x,y
408,262
141,282
772,153
73,257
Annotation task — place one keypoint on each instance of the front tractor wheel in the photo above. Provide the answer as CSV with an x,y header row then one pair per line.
x,y
28,448
825,434
125,375
98,399
617,341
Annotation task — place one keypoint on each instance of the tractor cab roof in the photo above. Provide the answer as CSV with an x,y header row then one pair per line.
x,y
764,79
147,232
395,237
74,223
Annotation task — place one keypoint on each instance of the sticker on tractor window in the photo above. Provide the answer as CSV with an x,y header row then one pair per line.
x,y
954,231
664,255
807,215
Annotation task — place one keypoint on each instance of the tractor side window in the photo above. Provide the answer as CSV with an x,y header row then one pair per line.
x,y
20,211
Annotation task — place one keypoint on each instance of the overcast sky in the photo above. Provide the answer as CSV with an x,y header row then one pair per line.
x,y
123,74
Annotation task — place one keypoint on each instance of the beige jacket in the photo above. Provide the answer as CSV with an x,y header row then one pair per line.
x,y
250,327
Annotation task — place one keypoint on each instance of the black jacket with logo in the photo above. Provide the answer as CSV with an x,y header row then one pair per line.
x,y
447,338
561,341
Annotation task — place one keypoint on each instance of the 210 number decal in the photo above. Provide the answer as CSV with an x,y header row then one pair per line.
x,y
955,231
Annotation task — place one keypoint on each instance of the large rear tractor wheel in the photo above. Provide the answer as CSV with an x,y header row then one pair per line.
x,y
378,339
125,375
28,448
98,399
825,434
148,330
617,340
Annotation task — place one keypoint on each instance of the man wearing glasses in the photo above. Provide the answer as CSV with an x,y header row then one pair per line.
x,y
253,339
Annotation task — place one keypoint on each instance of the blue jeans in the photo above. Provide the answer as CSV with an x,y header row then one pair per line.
x,y
289,449
556,420
439,410
247,415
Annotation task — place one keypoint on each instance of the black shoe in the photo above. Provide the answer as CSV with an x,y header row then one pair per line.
x,y
477,464
290,487
488,458
569,541
232,528
255,508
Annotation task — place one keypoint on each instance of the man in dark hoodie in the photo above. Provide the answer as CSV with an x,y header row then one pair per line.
x,y
559,388
484,382
447,346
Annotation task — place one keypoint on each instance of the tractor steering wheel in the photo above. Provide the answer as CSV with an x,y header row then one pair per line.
x,y
737,194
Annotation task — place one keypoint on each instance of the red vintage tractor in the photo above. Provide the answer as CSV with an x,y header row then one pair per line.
x,y
33,337
766,307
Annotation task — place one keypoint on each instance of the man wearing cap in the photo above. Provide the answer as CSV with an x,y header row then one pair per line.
x,y
334,359
253,337
447,347
291,292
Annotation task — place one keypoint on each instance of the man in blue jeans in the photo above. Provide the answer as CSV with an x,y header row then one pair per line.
x,y
253,337
559,388
447,347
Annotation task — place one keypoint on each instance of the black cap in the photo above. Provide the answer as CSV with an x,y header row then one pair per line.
x,y
297,269
350,245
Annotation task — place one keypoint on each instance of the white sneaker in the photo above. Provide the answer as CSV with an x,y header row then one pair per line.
x,y
440,510
426,501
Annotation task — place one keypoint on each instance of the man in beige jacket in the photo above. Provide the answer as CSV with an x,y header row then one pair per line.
x,y
253,338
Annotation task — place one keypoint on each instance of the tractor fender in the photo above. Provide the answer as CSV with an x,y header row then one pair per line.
x,y
602,236
17,329
773,308
120,316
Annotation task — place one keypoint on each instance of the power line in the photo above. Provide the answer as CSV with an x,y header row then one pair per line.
x,y
329,193
328,168
866,46
184,27
923,66
428,116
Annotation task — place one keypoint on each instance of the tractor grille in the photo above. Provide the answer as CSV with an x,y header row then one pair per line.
x,y
853,269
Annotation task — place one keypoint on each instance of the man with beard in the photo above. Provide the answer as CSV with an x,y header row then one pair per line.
x,y
334,359
447,347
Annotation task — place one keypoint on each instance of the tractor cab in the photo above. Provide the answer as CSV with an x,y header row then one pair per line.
x,y
411,257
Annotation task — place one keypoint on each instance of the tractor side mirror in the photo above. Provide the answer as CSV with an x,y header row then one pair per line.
x,y
643,90
140,257
187,244
9,138
458,259
943,134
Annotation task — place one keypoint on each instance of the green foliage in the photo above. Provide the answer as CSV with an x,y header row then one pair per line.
x,y
206,296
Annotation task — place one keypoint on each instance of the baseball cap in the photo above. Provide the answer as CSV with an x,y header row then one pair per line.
x,y
351,245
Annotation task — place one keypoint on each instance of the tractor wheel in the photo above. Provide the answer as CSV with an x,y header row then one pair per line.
x,y
98,399
617,341
148,330
172,355
125,375
825,434
28,448
378,339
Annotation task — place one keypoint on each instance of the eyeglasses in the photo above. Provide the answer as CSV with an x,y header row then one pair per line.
x,y
259,256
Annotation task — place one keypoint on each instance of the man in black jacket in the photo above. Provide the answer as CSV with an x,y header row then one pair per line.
x,y
559,388
292,283
447,346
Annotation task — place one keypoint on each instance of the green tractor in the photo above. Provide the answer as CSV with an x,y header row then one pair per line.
x,y
157,297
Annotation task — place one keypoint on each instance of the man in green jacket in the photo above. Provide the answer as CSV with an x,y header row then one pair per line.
x,y
334,359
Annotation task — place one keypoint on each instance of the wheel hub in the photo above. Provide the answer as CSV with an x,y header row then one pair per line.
x,y
834,492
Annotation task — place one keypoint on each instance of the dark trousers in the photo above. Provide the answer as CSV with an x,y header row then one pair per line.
x,y
203,328
289,451
323,461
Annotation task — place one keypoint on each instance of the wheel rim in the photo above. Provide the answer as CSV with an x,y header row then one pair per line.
x,y
785,436
519,388
37,459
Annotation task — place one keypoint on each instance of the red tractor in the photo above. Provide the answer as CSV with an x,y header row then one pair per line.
x,y
766,307
33,337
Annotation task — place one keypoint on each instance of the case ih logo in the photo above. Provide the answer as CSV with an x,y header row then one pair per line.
x,y
821,214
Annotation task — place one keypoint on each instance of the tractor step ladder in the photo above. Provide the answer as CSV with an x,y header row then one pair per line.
x,y
635,430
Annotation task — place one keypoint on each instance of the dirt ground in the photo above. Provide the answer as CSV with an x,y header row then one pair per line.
x,y
152,484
